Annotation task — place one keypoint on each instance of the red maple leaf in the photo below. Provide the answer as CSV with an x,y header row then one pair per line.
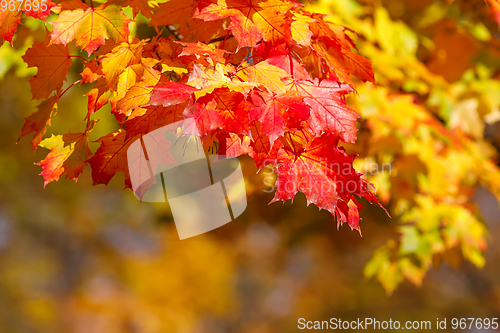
x,y
171,93
154,117
111,157
324,173
252,20
278,112
329,113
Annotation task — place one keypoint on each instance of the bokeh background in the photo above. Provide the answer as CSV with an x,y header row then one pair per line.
x,y
78,258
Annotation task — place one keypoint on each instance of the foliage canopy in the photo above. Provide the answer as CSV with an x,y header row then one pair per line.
x,y
270,79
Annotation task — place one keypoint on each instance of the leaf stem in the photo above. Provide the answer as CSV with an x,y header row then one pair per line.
x,y
77,56
224,42
238,68
68,88
221,39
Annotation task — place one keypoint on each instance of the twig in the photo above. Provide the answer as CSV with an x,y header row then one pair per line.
x,y
174,32
68,88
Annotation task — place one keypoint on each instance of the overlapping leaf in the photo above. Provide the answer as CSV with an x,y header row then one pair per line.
x,y
91,27
9,20
329,113
68,154
37,122
110,158
252,20
325,174
53,62
277,113
153,118
263,78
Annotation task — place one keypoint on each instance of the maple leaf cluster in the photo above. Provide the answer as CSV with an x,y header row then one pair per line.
x,y
263,78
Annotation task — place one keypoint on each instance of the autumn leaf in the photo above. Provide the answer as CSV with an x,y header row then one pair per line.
x,y
144,6
201,119
138,91
91,72
127,79
122,56
91,27
269,76
325,174
281,57
38,13
263,152
53,63
223,109
241,25
201,50
300,29
278,112
9,20
206,80
98,96
341,62
52,164
329,113
354,63
153,118
196,30
173,12
234,111
171,93
70,5
251,21
359,66
110,158
38,121
272,20
139,168
68,154
81,152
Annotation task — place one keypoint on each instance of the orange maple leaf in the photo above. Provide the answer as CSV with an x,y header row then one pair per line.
x,y
53,62
111,157
68,154
90,26
252,20
37,122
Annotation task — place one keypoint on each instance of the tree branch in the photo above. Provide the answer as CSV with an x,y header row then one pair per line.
x,y
174,32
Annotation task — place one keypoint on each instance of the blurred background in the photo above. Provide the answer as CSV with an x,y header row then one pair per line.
x,y
78,258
